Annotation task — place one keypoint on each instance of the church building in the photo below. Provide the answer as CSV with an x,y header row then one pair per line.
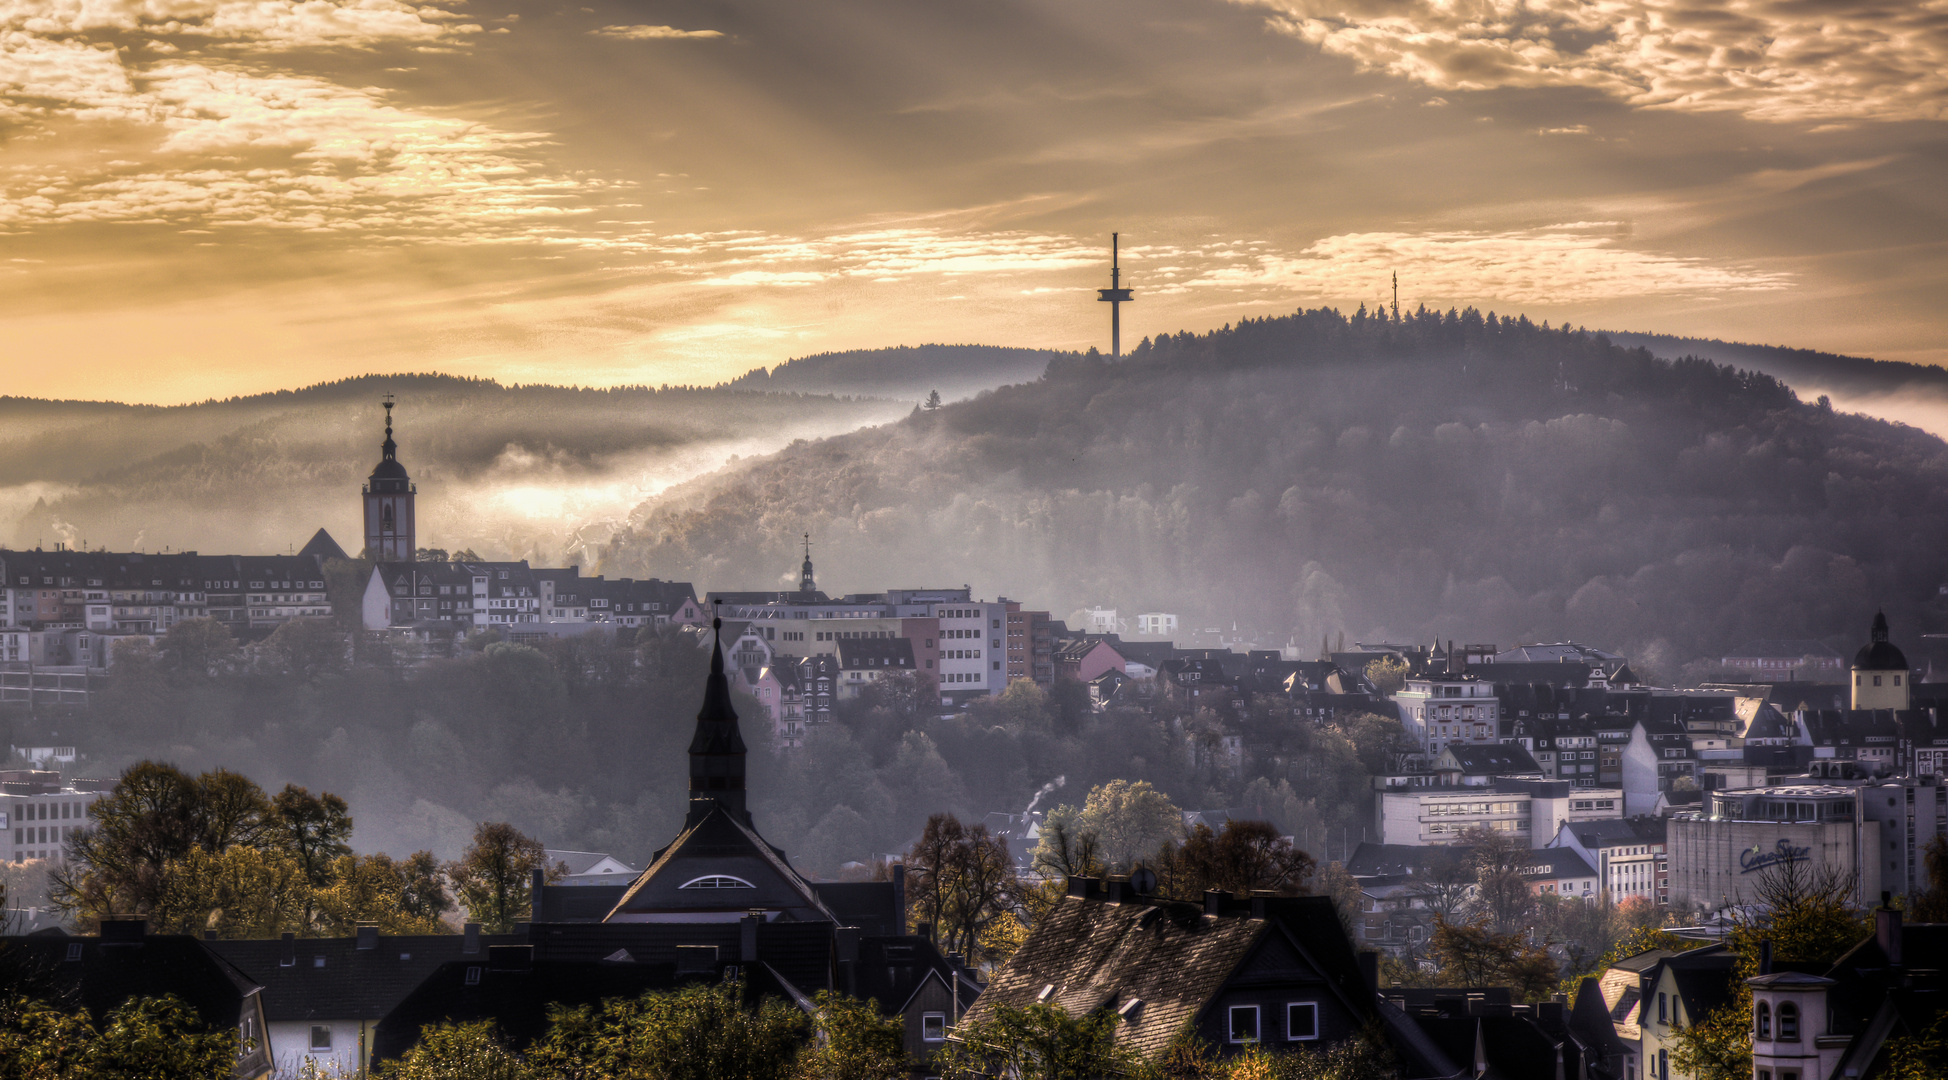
x,y
390,528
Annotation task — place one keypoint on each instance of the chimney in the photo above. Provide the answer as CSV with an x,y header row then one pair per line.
x,y
368,937
1370,971
124,929
747,938
925,929
1213,902
1887,930
1550,1013
846,941
539,882
469,939
1257,904
1765,957
899,896
290,949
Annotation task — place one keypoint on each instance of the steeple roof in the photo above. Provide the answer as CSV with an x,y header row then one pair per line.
x,y
717,747
388,467
1879,654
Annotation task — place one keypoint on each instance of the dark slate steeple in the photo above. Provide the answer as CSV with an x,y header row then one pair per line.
x,y
717,749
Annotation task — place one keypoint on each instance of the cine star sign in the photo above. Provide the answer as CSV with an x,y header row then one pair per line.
x,y
1754,858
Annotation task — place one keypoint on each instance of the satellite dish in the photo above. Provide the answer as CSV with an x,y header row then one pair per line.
x,y
1143,881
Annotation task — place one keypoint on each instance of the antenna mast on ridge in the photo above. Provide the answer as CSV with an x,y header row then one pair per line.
x,y
1396,296
1116,296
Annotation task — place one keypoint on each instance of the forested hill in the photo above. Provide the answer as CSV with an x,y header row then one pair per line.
x,y
1445,475
1851,376
908,372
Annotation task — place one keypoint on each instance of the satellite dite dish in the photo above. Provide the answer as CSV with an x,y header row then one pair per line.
x,y
1143,881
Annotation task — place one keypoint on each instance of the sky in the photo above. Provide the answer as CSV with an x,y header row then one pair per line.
x,y
212,197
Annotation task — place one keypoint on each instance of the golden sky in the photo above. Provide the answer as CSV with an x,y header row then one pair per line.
x,y
212,197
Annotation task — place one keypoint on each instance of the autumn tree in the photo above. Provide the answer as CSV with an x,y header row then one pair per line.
x,y
700,1032
1473,953
1244,856
1501,863
853,1041
196,649
309,648
1038,1042
1388,675
313,828
961,879
1129,821
1930,905
494,876
141,1039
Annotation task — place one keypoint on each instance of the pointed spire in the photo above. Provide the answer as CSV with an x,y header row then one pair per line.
x,y
717,748
805,582
389,448
1880,626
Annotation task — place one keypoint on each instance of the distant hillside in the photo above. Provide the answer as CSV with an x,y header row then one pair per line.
x,y
511,471
906,373
1445,476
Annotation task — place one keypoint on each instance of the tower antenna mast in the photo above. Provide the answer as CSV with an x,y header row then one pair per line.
x,y
1116,296
1396,296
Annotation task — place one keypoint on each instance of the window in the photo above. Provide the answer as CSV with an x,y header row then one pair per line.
x,y
321,1036
933,1027
1788,1022
1762,1020
1302,1020
1662,1017
717,881
74,952
1244,1023
473,976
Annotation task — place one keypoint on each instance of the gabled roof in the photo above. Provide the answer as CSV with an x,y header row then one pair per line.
x,y
321,547
104,974
1613,832
1489,759
893,968
720,845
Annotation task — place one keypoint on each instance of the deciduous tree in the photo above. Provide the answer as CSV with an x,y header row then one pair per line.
x,y
493,877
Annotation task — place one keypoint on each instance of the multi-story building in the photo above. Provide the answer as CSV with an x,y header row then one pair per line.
x,y
1718,854
865,661
462,595
1030,645
971,649
1629,855
1156,624
1447,707
38,814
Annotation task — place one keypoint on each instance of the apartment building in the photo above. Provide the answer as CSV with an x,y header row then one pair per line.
x,y
38,814
1448,707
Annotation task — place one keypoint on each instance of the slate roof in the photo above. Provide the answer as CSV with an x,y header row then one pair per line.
x,y
1643,829
1490,759
1173,958
321,547
721,843
870,905
876,652
104,974
352,983
893,968
1558,863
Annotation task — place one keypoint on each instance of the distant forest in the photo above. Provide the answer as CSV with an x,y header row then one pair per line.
x,y
1444,475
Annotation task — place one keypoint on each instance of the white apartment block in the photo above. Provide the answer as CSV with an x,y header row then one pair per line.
x,y
1441,709
972,649
1156,624
37,818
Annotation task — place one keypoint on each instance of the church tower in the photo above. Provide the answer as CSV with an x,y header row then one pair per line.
x,y
805,582
1880,672
391,534
717,749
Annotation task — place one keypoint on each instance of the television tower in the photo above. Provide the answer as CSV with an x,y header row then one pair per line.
x,y
1116,296
1396,296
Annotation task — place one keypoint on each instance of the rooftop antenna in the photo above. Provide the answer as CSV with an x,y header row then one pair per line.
x,y
1116,296
1396,296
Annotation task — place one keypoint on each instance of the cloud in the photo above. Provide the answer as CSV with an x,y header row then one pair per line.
x,y
264,24
1574,263
652,33
1780,60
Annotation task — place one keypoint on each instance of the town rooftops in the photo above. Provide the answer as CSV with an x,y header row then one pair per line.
x,y
1784,649
348,977
1487,759
887,652
1618,832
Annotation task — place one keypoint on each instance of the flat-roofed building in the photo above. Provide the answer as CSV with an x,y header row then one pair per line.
x,y
1719,854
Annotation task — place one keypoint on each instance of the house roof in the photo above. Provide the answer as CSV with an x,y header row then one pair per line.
x,y
721,844
351,983
321,547
1489,759
893,968
100,975
1086,954
1614,832
1783,649
1558,863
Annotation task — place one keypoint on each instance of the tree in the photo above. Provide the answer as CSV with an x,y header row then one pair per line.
x,y
1474,954
1242,857
854,1041
345,583
309,648
963,880
1501,863
933,400
369,889
493,877
1388,675
141,1039
700,1032
314,828
238,892
1807,916
422,887
119,865
196,649
1129,820
458,1052
1038,1042
1931,905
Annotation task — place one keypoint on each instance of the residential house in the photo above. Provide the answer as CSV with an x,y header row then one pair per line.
x,y
1629,855
1450,707
865,661
323,998
1678,991
1084,659
100,973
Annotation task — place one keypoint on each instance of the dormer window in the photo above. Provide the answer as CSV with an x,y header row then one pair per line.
x,y
717,881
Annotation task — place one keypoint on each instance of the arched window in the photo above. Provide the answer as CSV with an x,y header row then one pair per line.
x,y
1788,1021
1762,1018
717,881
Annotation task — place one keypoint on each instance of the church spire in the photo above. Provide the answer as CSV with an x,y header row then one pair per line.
x,y
717,749
805,582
